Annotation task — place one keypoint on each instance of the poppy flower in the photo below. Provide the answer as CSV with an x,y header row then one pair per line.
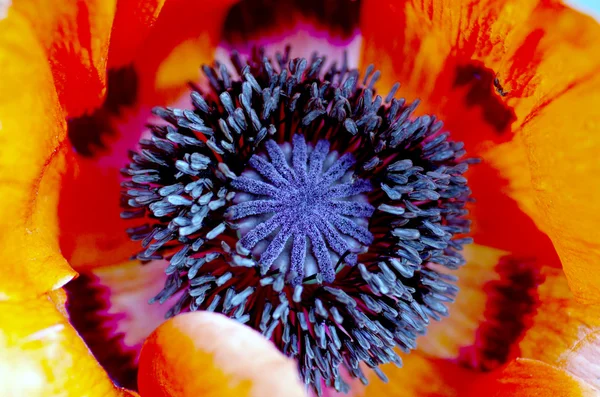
x,y
309,199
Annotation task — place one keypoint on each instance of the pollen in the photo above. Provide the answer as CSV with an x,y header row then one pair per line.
x,y
295,199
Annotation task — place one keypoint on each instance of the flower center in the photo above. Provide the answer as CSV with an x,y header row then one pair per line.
x,y
310,198
296,200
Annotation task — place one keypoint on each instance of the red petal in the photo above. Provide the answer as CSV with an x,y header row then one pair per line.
x,y
132,24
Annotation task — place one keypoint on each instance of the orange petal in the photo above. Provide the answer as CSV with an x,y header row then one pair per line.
x,y
499,221
495,305
564,332
75,36
132,24
32,160
552,168
42,355
442,52
208,354
526,378
561,194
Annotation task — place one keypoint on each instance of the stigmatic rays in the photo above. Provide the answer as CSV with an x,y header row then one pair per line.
x,y
294,199
307,205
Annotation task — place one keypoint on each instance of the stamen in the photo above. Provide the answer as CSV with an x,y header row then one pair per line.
x,y
296,200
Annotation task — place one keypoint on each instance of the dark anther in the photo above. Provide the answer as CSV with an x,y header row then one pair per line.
x,y
298,201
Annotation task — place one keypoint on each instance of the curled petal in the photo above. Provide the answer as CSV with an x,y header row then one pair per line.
x,y
32,160
42,355
209,355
